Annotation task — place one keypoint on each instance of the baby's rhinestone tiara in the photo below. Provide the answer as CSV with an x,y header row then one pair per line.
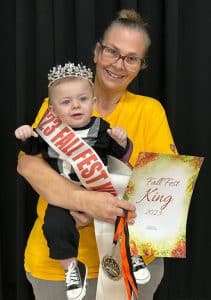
x,y
69,70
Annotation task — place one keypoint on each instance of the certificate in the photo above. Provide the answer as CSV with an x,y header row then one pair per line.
x,y
161,186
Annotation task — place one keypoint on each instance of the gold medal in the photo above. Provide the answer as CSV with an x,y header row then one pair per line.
x,y
111,267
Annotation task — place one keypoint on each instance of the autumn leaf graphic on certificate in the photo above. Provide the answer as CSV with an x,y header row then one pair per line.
x,y
161,186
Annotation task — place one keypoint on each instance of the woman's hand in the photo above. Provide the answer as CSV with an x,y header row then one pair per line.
x,y
104,206
81,219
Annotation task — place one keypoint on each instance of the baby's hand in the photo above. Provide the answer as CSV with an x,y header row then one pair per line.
x,y
119,135
24,132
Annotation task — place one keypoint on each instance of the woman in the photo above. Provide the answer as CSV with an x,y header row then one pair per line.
x,y
119,57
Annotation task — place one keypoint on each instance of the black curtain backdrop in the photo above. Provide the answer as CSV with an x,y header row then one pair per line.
x,y
37,34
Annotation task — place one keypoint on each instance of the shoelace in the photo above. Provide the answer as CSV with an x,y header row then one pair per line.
x,y
72,276
137,260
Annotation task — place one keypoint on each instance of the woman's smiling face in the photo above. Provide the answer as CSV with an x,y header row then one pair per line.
x,y
117,75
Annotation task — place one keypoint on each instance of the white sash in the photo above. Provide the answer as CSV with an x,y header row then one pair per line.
x,y
84,160
104,232
94,176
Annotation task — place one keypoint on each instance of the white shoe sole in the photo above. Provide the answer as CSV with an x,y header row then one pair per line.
x,y
144,277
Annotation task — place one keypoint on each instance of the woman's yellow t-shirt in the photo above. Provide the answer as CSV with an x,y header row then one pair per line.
x,y
145,121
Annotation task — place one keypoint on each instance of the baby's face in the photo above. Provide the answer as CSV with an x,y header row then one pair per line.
x,y
72,101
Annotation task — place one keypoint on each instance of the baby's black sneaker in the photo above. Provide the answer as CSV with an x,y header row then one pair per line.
x,y
140,270
76,280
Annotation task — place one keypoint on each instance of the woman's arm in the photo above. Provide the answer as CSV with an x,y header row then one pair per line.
x,y
59,191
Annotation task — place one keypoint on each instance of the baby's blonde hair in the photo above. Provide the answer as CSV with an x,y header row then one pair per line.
x,y
62,80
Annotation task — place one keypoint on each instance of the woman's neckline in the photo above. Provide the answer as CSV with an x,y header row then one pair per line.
x,y
105,107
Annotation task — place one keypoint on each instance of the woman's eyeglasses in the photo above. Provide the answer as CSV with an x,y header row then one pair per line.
x,y
112,55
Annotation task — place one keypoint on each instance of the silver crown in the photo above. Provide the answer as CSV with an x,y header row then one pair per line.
x,y
69,70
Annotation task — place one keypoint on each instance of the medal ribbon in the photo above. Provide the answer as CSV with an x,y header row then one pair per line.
x,y
122,234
